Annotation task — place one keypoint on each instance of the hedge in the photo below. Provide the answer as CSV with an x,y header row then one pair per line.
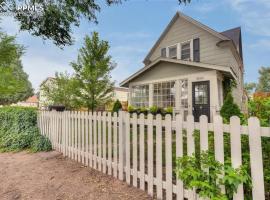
x,y
19,131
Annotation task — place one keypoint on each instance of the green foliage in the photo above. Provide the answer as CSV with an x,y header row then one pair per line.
x,y
56,18
153,110
14,84
260,107
230,109
18,130
228,85
264,80
60,91
131,109
250,87
117,106
204,174
41,143
169,110
92,73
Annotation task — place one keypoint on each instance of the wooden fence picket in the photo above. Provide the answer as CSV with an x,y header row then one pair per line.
x,y
127,149
218,141
109,143
91,131
87,138
104,143
135,149
236,152
150,149
179,153
95,140
115,146
142,151
121,146
256,162
99,141
159,156
168,152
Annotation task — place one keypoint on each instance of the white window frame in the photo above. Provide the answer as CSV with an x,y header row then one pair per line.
x,y
168,51
191,49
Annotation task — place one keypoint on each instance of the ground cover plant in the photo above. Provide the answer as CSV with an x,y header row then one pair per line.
x,y
19,130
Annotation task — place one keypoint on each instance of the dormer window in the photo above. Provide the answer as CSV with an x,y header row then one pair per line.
x,y
185,51
163,52
173,52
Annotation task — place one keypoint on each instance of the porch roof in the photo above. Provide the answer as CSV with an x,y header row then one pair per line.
x,y
227,70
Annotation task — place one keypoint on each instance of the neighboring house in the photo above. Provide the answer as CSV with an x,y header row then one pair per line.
x,y
44,103
186,67
30,102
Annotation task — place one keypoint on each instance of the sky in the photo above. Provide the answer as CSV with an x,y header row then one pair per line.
x,y
133,27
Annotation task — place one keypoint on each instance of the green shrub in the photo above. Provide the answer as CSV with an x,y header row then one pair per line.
x,y
153,110
117,106
203,173
142,110
230,109
131,109
169,110
18,128
41,143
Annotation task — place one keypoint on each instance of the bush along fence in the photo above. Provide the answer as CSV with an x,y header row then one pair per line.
x,y
142,150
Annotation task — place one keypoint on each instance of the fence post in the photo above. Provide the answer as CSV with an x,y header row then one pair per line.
x,y
236,152
256,162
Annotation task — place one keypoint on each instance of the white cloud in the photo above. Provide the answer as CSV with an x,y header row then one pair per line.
x,y
261,44
254,15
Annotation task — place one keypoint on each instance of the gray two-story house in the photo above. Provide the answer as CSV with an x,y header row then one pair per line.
x,y
186,67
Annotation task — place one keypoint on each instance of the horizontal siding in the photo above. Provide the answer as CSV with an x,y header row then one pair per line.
x,y
183,30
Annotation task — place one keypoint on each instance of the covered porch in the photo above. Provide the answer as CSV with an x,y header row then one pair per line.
x,y
189,90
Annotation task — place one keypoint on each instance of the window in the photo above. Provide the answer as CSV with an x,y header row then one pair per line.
x,y
184,94
185,51
173,52
163,52
164,94
201,94
140,96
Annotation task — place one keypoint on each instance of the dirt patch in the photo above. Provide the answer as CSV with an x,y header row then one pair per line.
x,y
49,176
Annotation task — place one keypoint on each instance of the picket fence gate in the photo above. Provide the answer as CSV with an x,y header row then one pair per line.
x,y
107,142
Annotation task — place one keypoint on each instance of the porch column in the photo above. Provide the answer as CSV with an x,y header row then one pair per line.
x,y
151,94
178,95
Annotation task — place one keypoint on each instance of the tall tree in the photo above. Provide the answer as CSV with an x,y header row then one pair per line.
x,y
250,87
93,73
14,83
264,80
53,19
60,91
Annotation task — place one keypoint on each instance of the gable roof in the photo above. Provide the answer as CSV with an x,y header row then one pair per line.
x,y
189,19
235,35
181,62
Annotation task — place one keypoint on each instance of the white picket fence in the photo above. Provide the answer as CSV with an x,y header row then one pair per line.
x,y
107,142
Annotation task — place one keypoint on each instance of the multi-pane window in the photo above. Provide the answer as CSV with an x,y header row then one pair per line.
x,y
164,94
163,52
140,96
201,94
185,51
173,52
184,94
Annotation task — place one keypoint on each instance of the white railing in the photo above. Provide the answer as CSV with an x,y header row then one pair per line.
x,y
107,142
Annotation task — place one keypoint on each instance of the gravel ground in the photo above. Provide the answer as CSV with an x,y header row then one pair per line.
x,y
50,176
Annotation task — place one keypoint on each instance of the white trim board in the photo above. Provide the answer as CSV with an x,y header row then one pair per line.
x,y
183,62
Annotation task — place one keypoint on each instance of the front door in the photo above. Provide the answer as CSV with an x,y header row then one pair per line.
x,y
201,99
